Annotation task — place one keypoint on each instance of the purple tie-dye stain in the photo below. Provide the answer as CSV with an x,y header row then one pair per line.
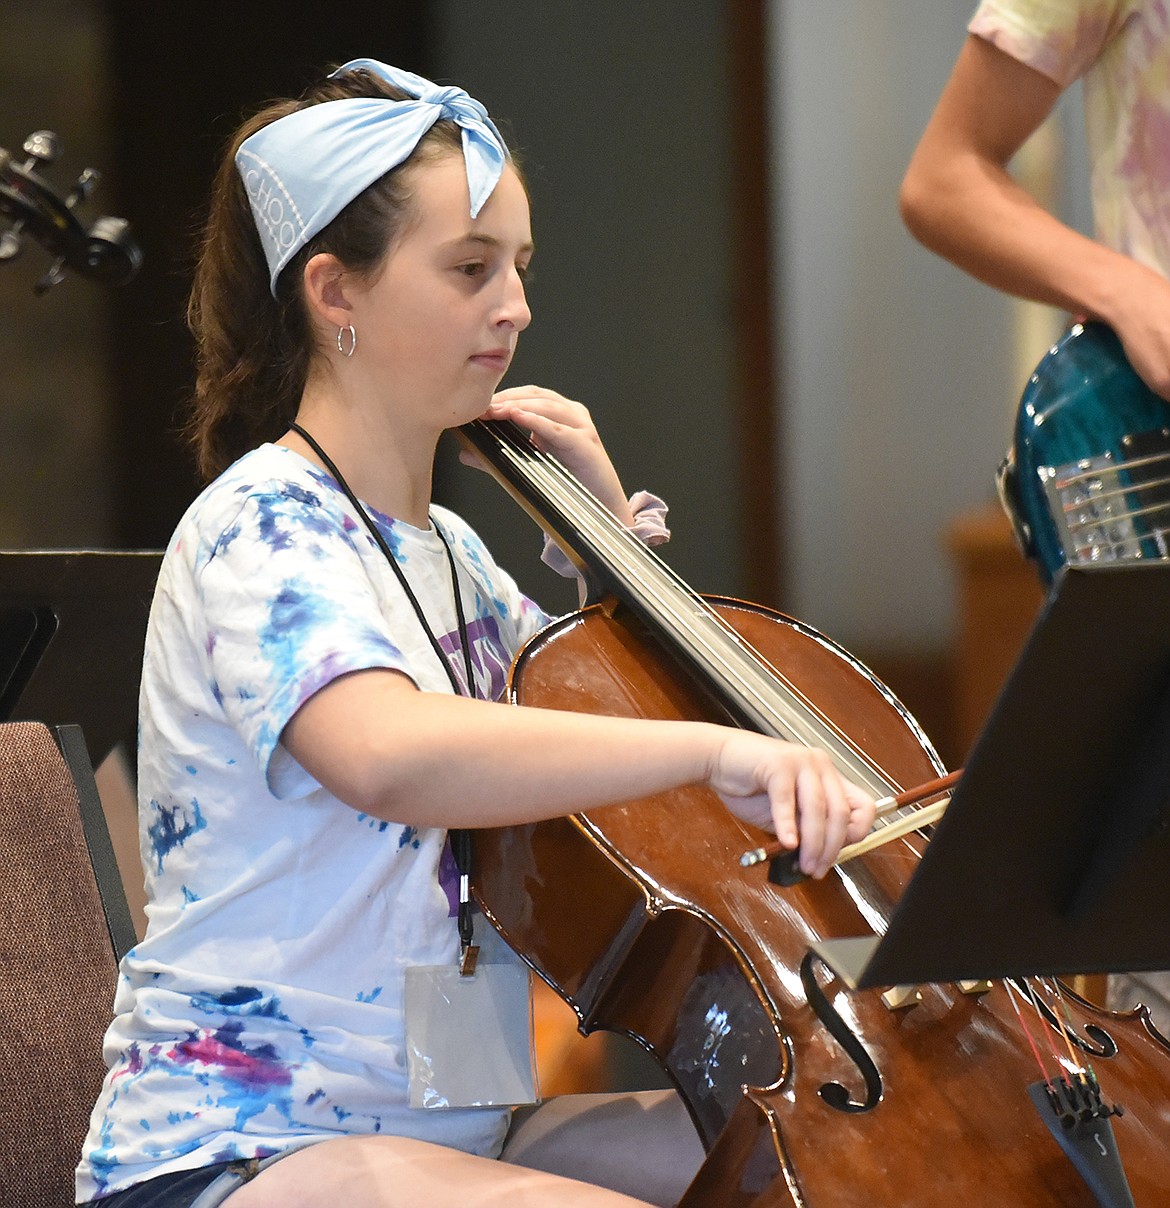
x,y
250,1080
255,1070
449,878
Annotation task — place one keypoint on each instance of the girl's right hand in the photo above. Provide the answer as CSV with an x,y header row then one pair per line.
x,y
794,791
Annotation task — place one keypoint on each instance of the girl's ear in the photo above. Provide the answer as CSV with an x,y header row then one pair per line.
x,y
325,287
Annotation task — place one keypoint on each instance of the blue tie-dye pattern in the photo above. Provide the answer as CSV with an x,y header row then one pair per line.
x,y
189,896
373,994
101,1157
292,613
173,827
276,529
309,499
408,837
267,738
224,543
242,1000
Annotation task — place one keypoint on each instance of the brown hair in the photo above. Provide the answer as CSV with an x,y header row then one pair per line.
x,y
253,350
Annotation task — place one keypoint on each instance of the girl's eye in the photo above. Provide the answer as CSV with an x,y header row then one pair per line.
x,y
472,270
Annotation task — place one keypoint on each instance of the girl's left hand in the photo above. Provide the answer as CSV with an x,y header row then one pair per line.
x,y
565,430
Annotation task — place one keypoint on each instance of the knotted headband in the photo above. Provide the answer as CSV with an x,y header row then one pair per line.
x,y
303,169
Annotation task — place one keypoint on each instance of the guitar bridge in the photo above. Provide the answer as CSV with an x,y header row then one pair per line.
x,y
1109,508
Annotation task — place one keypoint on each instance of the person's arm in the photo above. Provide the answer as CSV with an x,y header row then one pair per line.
x,y
382,746
959,200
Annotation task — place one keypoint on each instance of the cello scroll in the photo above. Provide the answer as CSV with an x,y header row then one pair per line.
x,y
105,249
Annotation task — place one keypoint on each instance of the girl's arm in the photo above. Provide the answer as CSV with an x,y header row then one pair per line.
x,y
959,200
382,746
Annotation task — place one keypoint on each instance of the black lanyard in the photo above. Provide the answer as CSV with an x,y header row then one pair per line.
x,y
460,839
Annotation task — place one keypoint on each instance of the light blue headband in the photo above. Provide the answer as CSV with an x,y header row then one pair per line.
x,y
303,169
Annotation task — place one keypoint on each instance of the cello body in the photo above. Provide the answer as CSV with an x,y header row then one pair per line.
x,y
641,917
806,1094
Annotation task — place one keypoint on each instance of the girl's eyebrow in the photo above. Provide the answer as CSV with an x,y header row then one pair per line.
x,y
488,241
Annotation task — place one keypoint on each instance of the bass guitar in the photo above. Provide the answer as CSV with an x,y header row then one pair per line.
x,y
1087,478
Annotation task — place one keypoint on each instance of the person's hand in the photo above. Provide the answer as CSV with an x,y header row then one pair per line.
x,y
1140,315
565,430
794,791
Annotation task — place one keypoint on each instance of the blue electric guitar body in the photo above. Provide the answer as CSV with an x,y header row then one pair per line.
x,y
1087,478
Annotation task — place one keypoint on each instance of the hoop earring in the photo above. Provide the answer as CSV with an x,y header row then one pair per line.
x,y
346,352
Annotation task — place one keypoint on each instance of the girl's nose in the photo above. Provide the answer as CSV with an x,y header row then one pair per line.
x,y
514,309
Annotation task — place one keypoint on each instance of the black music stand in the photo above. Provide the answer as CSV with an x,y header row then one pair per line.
x,y
1054,854
72,628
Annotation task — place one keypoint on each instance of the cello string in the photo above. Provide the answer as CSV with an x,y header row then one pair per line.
x,y
738,662
614,546
1081,1064
1007,984
1029,985
749,673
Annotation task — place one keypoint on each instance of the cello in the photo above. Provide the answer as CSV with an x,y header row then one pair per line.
x,y
641,916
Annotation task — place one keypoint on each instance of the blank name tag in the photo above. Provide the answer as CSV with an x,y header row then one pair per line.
x,y
469,1039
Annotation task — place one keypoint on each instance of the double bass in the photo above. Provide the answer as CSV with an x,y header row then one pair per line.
x,y
806,1094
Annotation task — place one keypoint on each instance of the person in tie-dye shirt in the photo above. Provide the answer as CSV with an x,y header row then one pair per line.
x,y
959,199
320,687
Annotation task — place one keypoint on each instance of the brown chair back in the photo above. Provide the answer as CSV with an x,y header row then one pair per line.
x,y
60,938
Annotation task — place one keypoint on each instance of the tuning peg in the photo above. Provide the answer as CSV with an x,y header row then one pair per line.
x,y
85,185
11,244
53,276
42,145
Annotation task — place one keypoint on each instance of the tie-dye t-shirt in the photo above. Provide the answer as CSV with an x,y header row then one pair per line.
x,y
263,1008
1121,50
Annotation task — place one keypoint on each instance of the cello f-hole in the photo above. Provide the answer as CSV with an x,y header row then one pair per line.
x,y
833,1093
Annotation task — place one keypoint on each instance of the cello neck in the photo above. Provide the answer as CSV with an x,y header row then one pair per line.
x,y
749,690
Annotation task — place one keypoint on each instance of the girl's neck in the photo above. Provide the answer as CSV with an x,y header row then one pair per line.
x,y
382,466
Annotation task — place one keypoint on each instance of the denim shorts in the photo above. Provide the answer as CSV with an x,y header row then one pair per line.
x,y
203,1188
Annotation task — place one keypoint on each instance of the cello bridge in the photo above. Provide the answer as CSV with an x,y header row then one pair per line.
x,y
898,998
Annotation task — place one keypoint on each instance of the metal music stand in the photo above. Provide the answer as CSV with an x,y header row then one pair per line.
x,y
1054,854
72,628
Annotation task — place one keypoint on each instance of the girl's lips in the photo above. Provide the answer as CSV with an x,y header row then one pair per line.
x,y
497,360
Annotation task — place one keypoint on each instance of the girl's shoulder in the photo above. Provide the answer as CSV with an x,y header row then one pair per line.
x,y
270,500
268,479
268,470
